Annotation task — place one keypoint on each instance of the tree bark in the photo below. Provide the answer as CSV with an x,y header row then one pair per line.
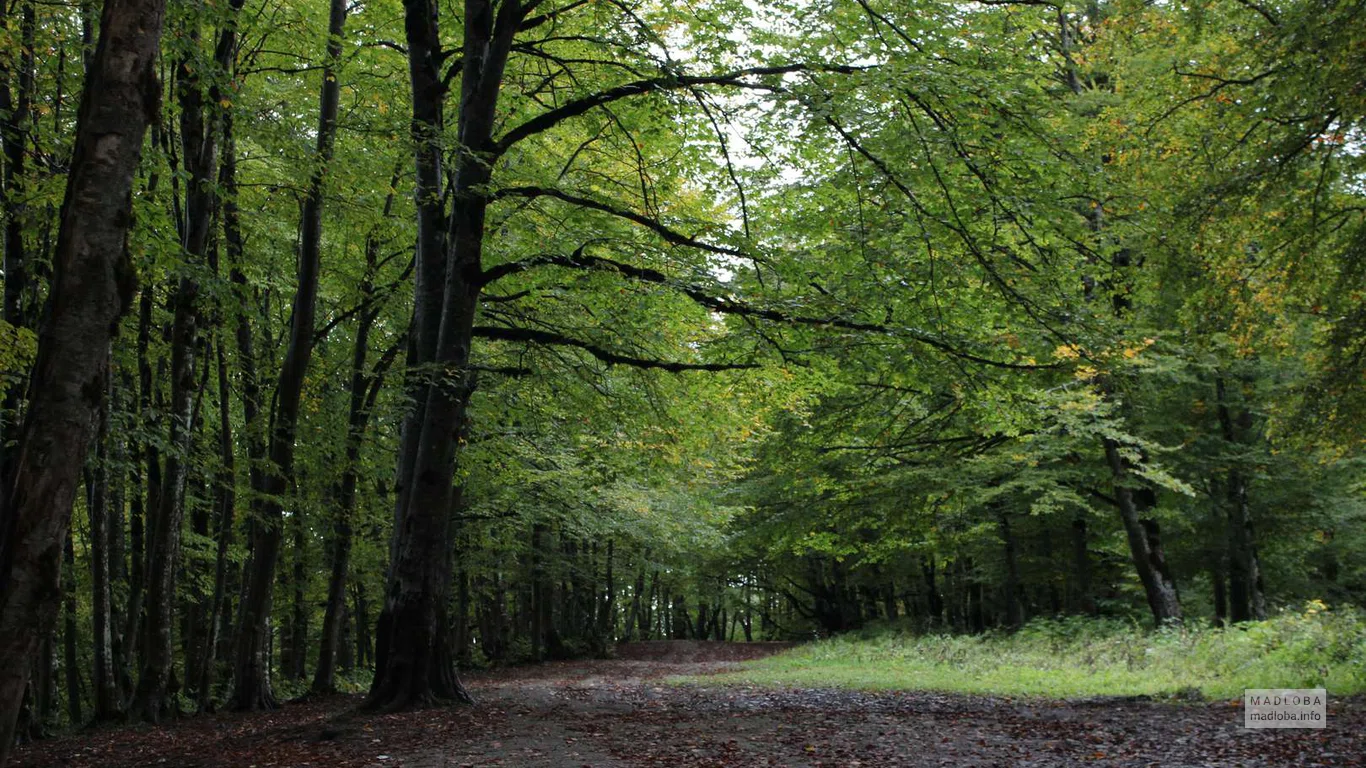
x,y
69,665
163,545
935,601
607,619
146,496
1246,601
1080,599
1158,584
226,500
1220,588
92,287
1014,613
107,701
634,618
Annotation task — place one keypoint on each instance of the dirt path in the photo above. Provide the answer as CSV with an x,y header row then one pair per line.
x,y
612,714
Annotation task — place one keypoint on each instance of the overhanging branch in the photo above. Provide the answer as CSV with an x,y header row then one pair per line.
x,y
666,232
547,338
735,78
741,309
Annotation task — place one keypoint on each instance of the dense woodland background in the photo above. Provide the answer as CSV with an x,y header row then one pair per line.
x,y
487,334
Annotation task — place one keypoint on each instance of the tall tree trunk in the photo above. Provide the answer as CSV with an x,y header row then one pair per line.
x,y
146,497
107,701
408,667
295,667
365,650
634,619
747,619
1220,587
199,142
1158,584
1014,613
225,499
116,487
251,670
1245,599
364,392
648,610
92,287
1080,599
935,602
253,426
976,613
70,667
163,545
607,619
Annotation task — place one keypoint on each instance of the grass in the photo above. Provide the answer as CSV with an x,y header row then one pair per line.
x,y
1077,658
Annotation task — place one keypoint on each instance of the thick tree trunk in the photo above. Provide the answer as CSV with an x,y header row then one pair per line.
x,y
251,688
1148,560
408,668
92,286
545,640
681,621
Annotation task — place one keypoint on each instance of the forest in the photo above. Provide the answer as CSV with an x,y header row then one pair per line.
x,y
367,347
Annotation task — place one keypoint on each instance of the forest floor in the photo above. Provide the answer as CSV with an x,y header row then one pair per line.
x,y
622,712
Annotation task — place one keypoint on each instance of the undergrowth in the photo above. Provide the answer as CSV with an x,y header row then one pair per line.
x,y
1082,657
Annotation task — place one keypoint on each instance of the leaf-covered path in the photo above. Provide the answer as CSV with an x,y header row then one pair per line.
x,y
612,714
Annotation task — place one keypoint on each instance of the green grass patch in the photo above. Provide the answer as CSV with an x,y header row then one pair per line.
x,y
1077,657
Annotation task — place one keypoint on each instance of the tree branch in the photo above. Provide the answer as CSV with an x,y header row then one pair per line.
x,y
742,309
1261,10
539,19
547,338
735,78
663,230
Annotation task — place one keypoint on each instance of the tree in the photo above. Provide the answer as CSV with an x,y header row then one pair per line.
x,y
251,685
93,287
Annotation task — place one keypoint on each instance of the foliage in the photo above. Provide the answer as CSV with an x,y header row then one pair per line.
x,y
1077,657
